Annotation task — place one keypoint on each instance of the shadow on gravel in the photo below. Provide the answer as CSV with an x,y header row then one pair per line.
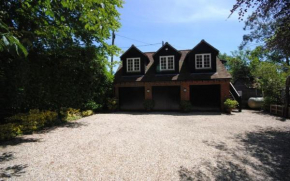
x,y
171,113
17,141
72,124
271,115
12,171
6,157
262,155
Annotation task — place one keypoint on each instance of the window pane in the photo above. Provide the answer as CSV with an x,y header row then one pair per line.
x,y
163,63
206,61
170,63
136,64
130,65
199,61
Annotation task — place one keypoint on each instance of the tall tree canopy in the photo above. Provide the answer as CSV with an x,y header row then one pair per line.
x,y
65,47
269,23
54,24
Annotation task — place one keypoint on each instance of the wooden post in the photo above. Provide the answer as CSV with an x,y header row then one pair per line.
x,y
112,56
286,102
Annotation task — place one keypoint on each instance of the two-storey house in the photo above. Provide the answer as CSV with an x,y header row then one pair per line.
x,y
168,76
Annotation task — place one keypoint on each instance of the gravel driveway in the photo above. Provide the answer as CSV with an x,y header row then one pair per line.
x,y
155,146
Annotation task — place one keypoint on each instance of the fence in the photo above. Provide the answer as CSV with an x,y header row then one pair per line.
x,y
278,110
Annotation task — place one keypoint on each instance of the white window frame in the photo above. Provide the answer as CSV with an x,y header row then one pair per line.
x,y
133,68
166,57
202,55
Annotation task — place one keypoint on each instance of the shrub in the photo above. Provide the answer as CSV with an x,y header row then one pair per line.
x,y
112,104
185,106
91,105
70,114
87,113
9,131
149,104
34,120
231,104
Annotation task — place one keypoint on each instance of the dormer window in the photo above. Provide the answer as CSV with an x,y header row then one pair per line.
x,y
203,61
167,63
133,65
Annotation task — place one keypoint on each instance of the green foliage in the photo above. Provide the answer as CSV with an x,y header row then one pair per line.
x,y
185,106
55,23
70,114
149,104
9,131
75,77
92,105
112,104
87,113
231,104
66,43
269,24
271,79
238,64
34,120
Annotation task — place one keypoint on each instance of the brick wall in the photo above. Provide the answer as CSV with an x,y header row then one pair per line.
x,y
184,94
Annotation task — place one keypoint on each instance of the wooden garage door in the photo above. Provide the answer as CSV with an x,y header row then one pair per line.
x,y
205,97
166,97
131,98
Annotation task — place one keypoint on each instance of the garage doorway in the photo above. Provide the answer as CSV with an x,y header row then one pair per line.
x,y
131,98
166,98
205,97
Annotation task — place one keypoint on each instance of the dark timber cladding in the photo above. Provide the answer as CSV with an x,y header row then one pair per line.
x,y
166,97
201,48
131,98
205,97
166,50
134,52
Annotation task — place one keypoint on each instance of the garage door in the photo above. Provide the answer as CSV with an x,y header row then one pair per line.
x,y
166,97
205,97
131,98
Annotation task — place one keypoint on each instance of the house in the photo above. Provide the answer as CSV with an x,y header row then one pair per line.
x,y
168,76
247,88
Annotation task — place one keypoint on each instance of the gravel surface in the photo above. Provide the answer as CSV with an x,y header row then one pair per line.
x,y
155,146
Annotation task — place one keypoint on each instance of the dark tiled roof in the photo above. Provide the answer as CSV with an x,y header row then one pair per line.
x,y
151,76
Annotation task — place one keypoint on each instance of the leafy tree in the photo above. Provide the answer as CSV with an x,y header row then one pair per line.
x,y
269,23
271,78
67,49
238,64
49,24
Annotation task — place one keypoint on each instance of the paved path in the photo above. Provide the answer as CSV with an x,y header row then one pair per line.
x,y
157,146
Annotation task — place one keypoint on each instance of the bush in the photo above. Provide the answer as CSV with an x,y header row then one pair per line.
x,y
70,114
112,104
149,104
34,120
91,105
185,106
87,113
9,131
231,104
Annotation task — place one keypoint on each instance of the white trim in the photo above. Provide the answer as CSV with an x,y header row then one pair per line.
x,y
166,60
202,55
133,64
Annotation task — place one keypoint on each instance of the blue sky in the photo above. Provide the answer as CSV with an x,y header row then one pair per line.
x,y
182,23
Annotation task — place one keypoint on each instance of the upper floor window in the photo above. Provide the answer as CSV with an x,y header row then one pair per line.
x,y
133,65
203,61
167,63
